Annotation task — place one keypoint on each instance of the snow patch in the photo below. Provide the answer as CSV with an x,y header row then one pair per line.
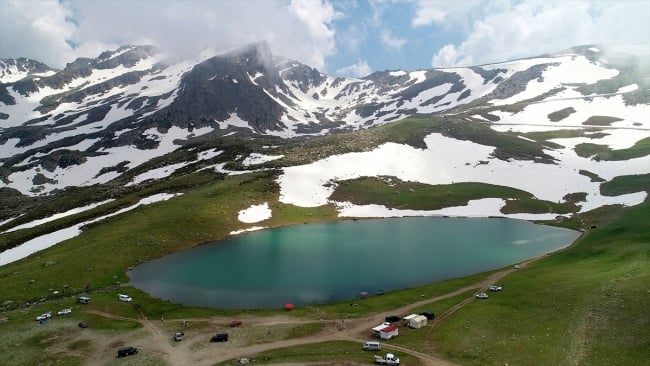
x,y
256,159
252,228
418,76
157,173
209,154
58,216
628,88
234,121
255,213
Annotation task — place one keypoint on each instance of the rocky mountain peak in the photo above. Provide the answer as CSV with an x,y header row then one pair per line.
x,y
15,69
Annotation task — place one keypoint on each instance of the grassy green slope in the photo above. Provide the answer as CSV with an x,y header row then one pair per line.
x,y
584,306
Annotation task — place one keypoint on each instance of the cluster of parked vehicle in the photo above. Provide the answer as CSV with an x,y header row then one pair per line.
x,y
48,315
394,318
483,295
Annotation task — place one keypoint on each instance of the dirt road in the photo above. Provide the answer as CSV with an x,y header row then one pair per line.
x,y
156,338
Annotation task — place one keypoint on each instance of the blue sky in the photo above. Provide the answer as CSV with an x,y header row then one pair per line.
x,y
342,37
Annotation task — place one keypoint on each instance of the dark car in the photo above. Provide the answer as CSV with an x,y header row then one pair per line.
x,y
393,318
221,337
428,314
83,324
126,351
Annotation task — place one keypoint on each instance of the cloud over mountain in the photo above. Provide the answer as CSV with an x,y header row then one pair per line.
x,y
56,32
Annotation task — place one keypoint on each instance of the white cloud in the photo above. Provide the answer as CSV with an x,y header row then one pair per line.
x,y
317,15
56,32
391,41
428,12
520,29
453,13
24,26
445,57
360,69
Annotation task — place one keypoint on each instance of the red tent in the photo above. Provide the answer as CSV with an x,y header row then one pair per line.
x,y
288,306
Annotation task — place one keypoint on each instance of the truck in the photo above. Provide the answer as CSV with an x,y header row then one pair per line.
x,y
389,359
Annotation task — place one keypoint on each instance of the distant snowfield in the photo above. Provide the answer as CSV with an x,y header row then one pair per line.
x,y
45,241
633,116
447,161
255,213
573,69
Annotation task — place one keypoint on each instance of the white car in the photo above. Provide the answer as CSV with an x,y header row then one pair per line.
x,y
44,316
481,295
64,312
125,298
495,288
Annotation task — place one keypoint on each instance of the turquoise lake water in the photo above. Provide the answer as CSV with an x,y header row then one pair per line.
x,y
318,263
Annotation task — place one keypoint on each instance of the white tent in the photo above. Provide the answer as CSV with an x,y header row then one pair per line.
x,y
416,322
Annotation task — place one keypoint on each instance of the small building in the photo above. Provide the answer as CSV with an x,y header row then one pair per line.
x,y
408,317
415,321
377,329
385,330
389,332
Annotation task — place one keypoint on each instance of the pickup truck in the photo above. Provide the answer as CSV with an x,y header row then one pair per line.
x,y
390,359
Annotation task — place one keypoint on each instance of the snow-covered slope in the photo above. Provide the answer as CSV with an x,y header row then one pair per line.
x,y
97,118
12,70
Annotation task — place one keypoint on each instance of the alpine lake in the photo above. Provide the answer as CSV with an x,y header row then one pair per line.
x,y
319,263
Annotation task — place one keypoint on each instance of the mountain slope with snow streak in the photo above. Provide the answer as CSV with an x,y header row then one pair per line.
x,y
99,118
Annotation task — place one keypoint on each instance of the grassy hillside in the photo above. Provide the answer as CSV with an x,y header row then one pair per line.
x,y
584,306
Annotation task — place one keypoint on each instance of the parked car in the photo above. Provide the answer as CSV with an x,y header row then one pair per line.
x,y
179,336
372,346
481,295
393,318
495,288
83,324
235,323
83,300
64,312
389,359
125,298
220,337
428,314
126,351
44,316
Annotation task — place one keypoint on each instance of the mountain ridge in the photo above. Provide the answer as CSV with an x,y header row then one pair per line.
x,y
132,99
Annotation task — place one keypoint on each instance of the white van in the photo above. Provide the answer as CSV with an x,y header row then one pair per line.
x,y
126,298
372,346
